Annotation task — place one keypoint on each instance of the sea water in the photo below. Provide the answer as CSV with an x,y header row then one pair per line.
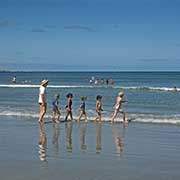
x,y
151,96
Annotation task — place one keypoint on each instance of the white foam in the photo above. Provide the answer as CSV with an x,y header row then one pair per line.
x,y
49,86
147,88
18,86
90,86
143,118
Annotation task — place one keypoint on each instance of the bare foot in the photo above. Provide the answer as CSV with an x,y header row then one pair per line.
x,y
57,121
125,122
40,122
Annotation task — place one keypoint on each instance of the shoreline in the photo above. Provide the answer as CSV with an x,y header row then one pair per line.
x,y
88,151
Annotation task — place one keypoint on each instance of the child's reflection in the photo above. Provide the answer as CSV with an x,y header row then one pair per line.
x,y
83,136
69,136
55,140
117,140
98,137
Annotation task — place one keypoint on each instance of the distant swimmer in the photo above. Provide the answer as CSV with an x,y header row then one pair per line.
x,y
91,81
107,81
175,88
14,80
96,82
117,107
111,81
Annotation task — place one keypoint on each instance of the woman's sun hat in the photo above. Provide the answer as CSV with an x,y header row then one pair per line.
x,y
44,81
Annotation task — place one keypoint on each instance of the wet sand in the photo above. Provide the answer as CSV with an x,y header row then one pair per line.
x,y
90,151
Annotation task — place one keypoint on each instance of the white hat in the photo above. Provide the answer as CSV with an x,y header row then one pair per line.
x,y
121,94
43,82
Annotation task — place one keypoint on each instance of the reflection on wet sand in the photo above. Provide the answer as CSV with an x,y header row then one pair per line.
x,y
117,139
83,136
42,143
117,135
98,137
55,139
68,127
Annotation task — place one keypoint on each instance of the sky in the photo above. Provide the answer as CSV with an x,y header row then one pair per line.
x,y
90,35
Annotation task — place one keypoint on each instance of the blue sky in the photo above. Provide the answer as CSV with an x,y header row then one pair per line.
x,y
120,35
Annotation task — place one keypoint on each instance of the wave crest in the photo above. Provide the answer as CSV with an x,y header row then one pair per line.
x,y
142,88
141,118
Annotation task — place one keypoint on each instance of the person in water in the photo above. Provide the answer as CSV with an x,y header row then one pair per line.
x,y
175,88
69,106
55,110
42,100
82,108
99,107
118,107
14,80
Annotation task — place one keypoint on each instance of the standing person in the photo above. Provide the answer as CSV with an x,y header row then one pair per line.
x,y
55,111
14,80
69,106
117,107
98,107
42,100
82,109
175,88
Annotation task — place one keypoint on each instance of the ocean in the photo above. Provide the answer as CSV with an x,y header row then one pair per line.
x,y
151,96
146,148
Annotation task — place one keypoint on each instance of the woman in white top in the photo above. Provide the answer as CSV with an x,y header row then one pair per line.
x,y
42,100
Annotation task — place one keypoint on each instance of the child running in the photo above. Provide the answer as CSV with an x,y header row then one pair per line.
x,y
55,111
82,109
98,107
117,107
69,106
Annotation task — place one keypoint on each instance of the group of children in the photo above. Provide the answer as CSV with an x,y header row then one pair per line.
x,y
82,111
56,110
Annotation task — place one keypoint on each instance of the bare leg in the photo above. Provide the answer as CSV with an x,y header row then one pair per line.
x,y
114,115
80,116
71,116
58,115
124,117
85,117
98,117
53,115
67,116
42,111
69,113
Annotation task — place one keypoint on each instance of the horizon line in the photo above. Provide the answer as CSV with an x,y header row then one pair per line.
x,y
86,71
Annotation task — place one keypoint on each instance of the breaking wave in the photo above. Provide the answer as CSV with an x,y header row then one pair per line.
x,y
141,118
142,88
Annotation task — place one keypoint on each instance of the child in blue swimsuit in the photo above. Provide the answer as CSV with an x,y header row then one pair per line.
x,y
82,109
55,111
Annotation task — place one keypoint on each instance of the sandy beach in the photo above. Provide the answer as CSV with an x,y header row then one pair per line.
x,y
88,150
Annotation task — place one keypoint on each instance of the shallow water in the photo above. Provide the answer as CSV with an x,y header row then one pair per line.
x,y
88,150
150,94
